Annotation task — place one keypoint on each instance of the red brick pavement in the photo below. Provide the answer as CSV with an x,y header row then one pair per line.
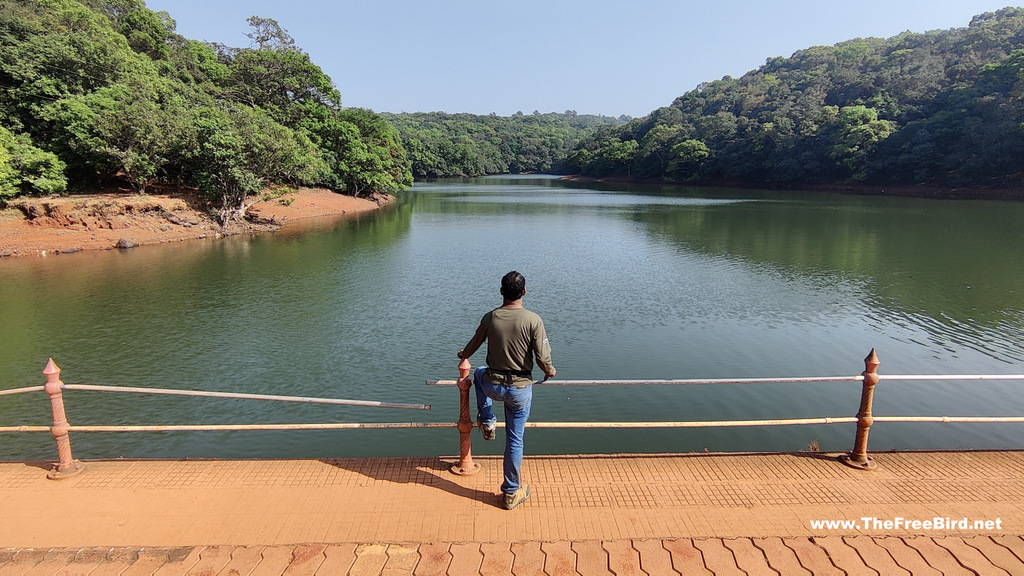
x,y
643,515
985,555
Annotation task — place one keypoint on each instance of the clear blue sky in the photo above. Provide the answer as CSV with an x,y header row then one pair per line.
x,y
593,56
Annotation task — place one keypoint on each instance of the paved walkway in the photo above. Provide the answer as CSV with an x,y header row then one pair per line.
x,y
702,514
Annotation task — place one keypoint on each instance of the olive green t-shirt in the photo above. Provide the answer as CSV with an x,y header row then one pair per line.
x,y
515,338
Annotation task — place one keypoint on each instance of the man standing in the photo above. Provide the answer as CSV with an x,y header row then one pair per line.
x,y
515,337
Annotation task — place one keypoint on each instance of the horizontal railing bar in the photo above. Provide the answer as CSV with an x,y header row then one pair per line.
x,y
857,378
383,425
951,419
21,390
243,396
233,427
677,382
392,425
783,422
693,424
24,428
242,427
951,377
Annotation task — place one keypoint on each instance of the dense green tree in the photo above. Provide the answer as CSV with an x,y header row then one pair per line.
x,y
50,52
376,160
615,154
197,65
25,169
9,177
687,158
134,128
147,32
655,152
243,149
107,89
362,152
859,130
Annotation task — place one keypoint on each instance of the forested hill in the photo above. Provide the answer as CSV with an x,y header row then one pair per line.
x,y
440,144
97,88
941,108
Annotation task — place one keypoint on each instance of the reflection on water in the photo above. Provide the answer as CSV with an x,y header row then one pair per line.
x,y
950,267
633,282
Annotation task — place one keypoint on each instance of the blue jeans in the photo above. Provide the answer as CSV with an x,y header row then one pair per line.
x,y
517,409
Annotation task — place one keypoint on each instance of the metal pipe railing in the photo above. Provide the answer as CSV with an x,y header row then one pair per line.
x,y
68,466
953,419
857,458
798,380
243,396
14,391
951,377
245,427
686,381
553,425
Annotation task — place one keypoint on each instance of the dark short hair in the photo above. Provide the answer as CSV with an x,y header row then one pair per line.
x,y
513,285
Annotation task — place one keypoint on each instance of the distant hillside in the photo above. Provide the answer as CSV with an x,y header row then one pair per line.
x,y
942,108
440,144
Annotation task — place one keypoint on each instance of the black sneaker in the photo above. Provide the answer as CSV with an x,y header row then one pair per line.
x,y
487,432
521,495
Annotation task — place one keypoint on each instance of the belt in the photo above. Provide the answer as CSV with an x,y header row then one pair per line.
x,y
509,374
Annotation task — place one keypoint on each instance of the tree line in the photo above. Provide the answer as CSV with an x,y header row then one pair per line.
x,y
447,145
94,89
941,108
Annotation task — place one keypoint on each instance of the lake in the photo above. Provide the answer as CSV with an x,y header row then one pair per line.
x,y
633,282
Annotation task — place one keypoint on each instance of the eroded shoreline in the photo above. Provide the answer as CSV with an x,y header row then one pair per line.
x,y
122,220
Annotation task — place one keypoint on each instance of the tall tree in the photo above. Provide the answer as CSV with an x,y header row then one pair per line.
x,y
276,75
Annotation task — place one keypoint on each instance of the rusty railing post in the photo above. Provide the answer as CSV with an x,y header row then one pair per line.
x,y
66,465
466,466
859,457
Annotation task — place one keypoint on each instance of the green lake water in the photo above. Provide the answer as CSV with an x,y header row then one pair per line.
x,y
633,282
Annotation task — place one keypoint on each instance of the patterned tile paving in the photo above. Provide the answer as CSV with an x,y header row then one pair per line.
x,y
777,495
678,495
723,495
21,474
813,493
586,496
587,515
